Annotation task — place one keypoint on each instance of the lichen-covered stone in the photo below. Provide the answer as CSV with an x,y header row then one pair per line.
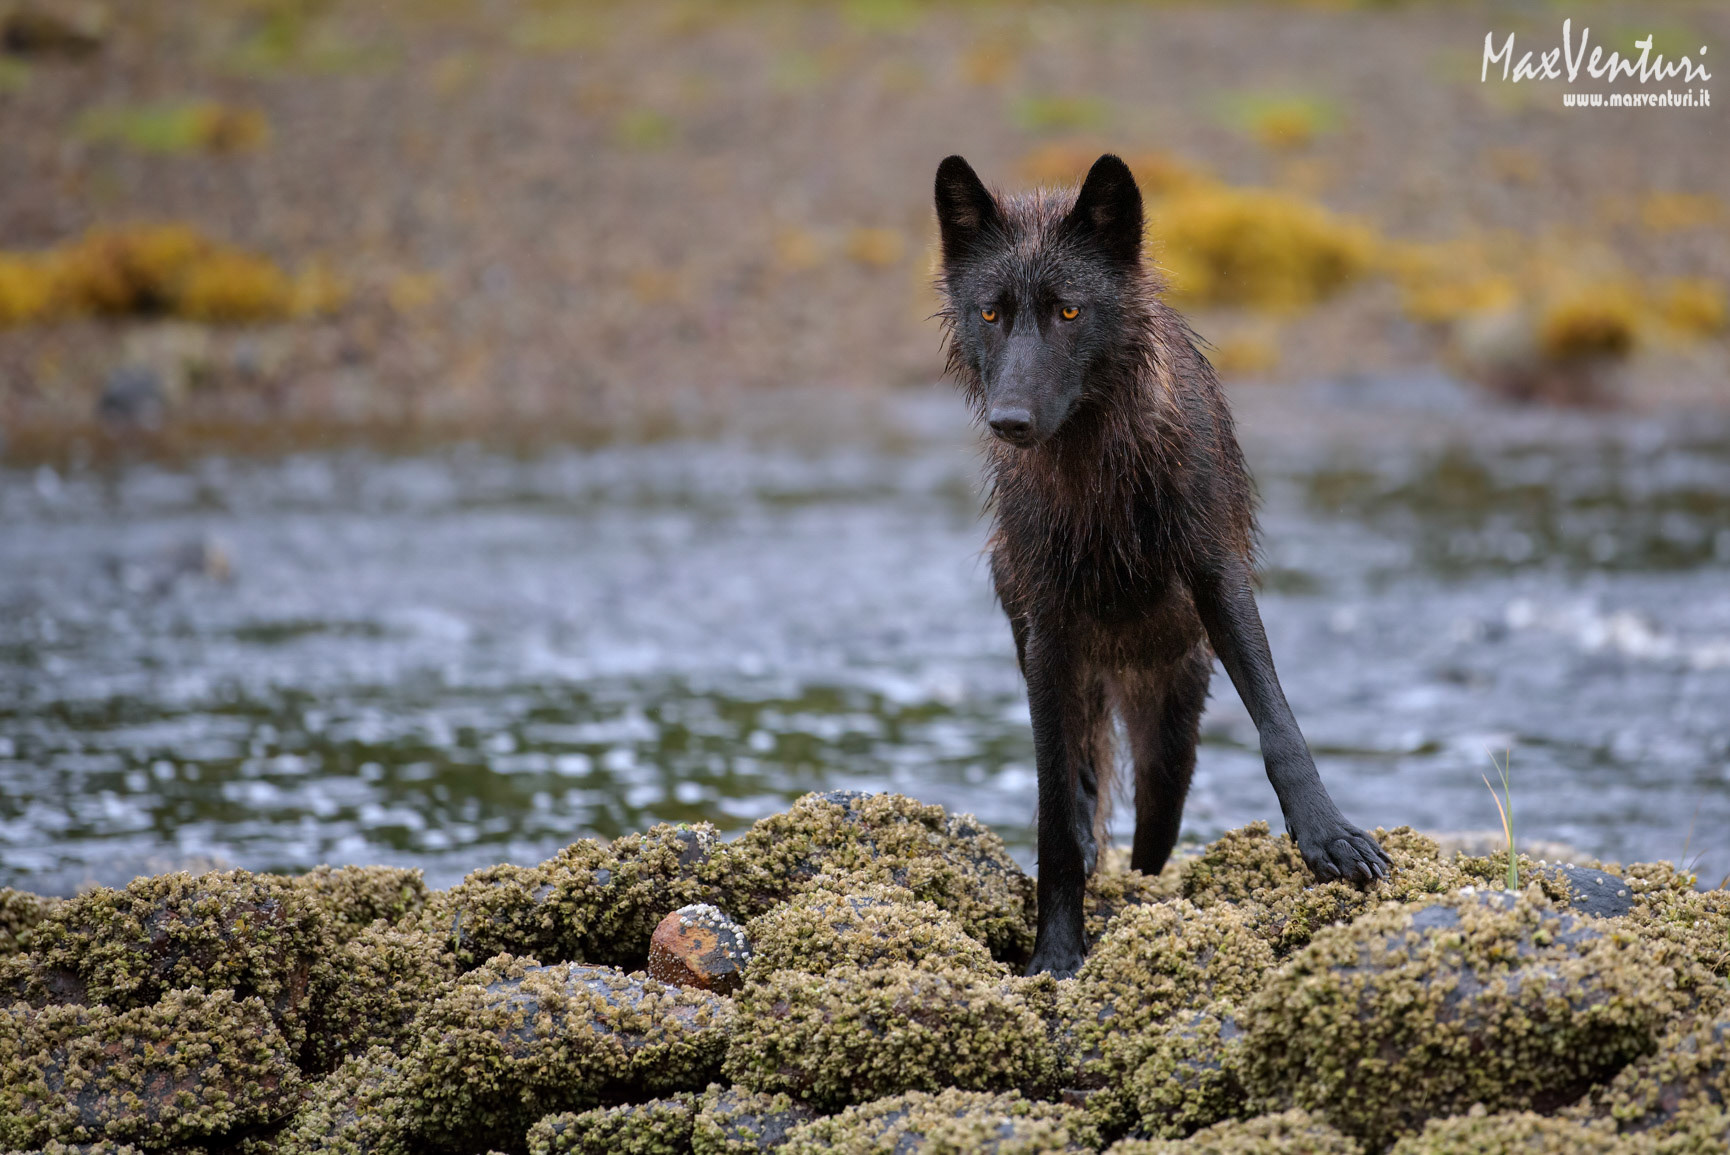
x,y
370,991
1155,962
1689,1070
590,903
1697,1131
854,922
1189,1077
1288,1133
948,1121
254,934
193,1066
857,1035
955,862
20,911
735,1121
1515,1133
354,897
1252,868
361,1108
698,946
658,1127
1414,1012
1114,887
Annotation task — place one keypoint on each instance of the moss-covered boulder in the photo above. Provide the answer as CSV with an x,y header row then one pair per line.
x,y
361,1108
1690,1070
657,1127
1287,1133
1114,887
519,1041
857,1035
592,902
1419,1011
1515,1133
1155,962
189,1068
851,921
20,912
735,1121
1189,1077
371,990
354,897
955,862
1698,1131
947,1121
256,935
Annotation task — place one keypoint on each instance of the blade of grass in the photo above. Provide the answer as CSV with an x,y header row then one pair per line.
x,y
1512,881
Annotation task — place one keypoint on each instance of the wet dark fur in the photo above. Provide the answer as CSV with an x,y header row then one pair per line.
x,y
1124,526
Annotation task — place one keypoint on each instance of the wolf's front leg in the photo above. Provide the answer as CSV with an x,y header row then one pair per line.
x,y
1067,792
1332,847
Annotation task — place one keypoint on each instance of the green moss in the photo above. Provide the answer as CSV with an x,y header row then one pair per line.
x,y
20,911
253,934
1414,1012
353,897
947,1121
362,1108
191,1067
658,1127
1288,1133
954,862
1690,1069
1514,1133
1698,1131
735,1121
370,991
858,1035
1154,963
853,922
1189,1077
1113,887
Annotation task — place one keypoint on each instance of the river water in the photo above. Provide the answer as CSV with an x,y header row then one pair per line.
x,y
464,658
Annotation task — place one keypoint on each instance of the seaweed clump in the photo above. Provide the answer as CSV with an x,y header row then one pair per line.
x,y
179,1071
658,1127
855,922
857,1035
735,1121
1411,1013
1287,1133
951,1120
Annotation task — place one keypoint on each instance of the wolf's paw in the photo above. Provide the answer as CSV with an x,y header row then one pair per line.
x,y
1337,849
1058,962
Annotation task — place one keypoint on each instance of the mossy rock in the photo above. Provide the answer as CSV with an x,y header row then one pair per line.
x,y
514,1043
105,1147
658,1127
590,903
1414,1012
189,1068
1287,1133
851,921
735,1121
20,912
857,1035
947,1121
1251,867
371,990
253,934
1690,1070
1697,1131
354,897
1516,1133
1114,887
1154,963
955,862
361,1108
1190,1076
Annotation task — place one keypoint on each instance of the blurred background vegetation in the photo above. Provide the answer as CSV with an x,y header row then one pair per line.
x,y
269,221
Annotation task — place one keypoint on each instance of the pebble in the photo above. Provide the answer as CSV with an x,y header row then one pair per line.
x,y
698,946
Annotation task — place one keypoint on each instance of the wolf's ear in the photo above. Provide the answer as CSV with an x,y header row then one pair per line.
x,y
966,211
1108,210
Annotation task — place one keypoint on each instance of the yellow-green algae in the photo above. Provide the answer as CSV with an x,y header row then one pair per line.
x,y
1287,1133
354,897
852,921
1153,962
1414,1012
947,1122
1114,887
737,1121
952,861
1516,1133
1189,1077
194,1065
361,1108
1689,1071
371,991
20,912
658,1127
859,1034
55,1147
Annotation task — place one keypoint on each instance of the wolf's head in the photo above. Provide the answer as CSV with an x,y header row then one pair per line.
x,y
1044,293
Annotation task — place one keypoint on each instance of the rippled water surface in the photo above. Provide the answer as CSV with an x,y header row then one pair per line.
x,y
454,660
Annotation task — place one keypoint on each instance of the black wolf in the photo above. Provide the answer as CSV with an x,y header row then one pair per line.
x,y
1122,550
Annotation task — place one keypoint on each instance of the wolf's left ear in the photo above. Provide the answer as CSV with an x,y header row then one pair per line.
x,y
1108,210
966,211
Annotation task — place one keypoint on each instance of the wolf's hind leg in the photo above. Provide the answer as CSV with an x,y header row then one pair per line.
x,y
1162,713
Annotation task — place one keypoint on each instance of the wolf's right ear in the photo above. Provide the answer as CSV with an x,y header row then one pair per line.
x,y
966,211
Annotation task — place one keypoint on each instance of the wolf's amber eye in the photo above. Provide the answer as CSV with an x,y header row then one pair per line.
x,y
988,314
1070,312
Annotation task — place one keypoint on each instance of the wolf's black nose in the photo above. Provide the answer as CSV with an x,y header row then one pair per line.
x,y
1011,424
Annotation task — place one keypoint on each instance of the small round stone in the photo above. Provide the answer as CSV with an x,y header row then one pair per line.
x,y
698,946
